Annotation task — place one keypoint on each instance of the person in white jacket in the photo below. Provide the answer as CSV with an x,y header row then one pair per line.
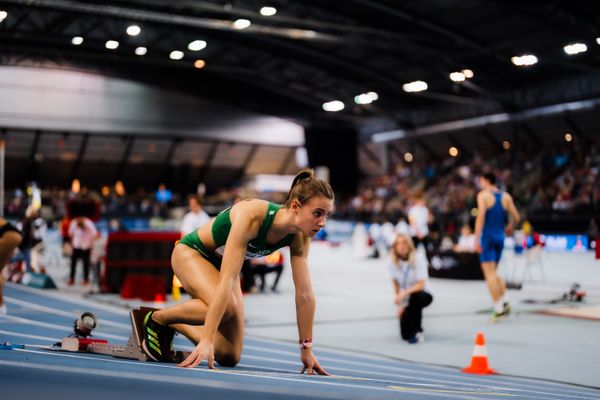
x,y
408,268
195,218
82,232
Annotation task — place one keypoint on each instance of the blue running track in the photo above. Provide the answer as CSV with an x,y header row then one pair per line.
x,y
268,370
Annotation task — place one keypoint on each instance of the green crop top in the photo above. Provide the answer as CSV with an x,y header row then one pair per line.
x,y
257,247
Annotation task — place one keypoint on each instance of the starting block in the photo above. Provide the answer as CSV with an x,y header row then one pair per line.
x,y
132,350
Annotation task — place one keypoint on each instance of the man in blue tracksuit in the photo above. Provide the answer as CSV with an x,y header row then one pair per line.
x,y
493,206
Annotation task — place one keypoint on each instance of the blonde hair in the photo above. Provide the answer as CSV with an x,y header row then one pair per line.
x,y
305,186
411,249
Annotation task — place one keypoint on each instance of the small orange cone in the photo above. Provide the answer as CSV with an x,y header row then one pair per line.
x,y
479,361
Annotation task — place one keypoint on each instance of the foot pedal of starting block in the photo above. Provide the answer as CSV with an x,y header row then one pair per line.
x,y
79,344
132,350
137,328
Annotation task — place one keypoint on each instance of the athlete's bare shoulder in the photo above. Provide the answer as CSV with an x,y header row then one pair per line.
x,y
251,209
506,198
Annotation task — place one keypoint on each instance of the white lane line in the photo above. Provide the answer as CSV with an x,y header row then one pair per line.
x,y
521,392
318,380
68,314
44,338
99,335
469,380
526,382
464,380
527,388
79,301
475,381
425,387
169,380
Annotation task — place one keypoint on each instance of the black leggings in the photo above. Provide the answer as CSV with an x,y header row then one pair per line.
x,y
84,255
410,323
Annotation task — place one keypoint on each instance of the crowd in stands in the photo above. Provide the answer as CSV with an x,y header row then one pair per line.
x,y
563,180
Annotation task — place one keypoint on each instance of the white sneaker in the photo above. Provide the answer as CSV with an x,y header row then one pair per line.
x,y
420,337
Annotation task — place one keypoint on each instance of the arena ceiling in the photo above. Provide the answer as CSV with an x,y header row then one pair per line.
x,y
316,51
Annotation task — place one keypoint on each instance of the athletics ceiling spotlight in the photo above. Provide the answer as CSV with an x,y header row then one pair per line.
x,y
133,30
196,45
268,11
3,15
241,23
140,51
415,86
467,73
77,40
84,326
111,44
333,106
575,48
525,60
366,98
176,55
457,77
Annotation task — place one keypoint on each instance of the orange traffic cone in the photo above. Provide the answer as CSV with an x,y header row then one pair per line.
x,y
479,361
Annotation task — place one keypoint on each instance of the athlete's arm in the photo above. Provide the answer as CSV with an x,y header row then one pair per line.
x,y
244,227
305,301
512,210
481,210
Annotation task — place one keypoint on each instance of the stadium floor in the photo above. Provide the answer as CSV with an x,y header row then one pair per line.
x,y
269,369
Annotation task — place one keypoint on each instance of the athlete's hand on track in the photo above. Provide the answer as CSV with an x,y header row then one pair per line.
x,y
203,351
311,365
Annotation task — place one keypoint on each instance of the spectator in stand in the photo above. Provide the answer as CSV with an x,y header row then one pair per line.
x,y
195,218
82,232
418,217
33,230
467,241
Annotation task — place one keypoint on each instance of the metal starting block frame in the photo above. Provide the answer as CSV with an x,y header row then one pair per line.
x,y
132,350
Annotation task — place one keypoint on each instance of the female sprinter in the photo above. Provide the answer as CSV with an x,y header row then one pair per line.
x,y
208,263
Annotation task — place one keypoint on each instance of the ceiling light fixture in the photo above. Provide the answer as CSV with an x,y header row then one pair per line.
x,y
415,86
197,45
333,106
366,98
524,60
111,44
457,77
468,73
241,24
575,48
133,30
268,11
176,55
